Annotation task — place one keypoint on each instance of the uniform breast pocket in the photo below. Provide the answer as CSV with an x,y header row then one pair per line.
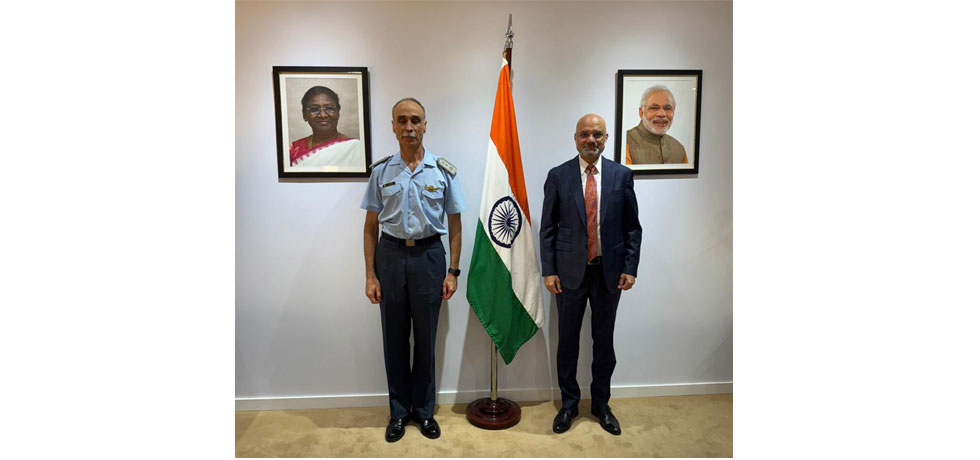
x,y
434,195
390,194
391,190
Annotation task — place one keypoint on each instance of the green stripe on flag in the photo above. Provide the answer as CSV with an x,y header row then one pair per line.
x,y
489,291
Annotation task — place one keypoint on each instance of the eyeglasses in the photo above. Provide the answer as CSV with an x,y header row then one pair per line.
x,y
584,135
315,109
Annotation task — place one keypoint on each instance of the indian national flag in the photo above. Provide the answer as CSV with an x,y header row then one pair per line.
x,y
504,281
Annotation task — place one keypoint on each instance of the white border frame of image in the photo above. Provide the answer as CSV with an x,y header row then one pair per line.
x,y
283,110
685,90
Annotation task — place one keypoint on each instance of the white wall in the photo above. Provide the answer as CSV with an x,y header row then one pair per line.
x,y
303,325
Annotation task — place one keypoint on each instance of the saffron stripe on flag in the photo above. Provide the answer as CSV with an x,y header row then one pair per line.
x,y
503,134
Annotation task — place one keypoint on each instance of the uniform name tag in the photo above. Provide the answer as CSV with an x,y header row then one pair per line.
x,y
388,184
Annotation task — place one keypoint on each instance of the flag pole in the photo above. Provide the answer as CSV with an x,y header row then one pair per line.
x,y
495,413
509,44
508,51
493,371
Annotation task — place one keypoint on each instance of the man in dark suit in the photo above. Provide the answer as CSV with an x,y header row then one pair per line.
x,y
590,250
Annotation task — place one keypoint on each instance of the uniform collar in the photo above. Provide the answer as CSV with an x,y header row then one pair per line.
x,y
428,159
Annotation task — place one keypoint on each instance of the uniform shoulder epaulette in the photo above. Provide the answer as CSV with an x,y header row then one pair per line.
x,y
446,166
380,161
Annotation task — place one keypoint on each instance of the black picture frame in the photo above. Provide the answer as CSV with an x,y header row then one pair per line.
x,y
348,156
683,133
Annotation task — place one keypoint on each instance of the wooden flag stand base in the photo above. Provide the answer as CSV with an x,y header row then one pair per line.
x,y
493,413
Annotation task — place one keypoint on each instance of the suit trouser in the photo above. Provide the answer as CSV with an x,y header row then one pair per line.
x,y
411,294
571,310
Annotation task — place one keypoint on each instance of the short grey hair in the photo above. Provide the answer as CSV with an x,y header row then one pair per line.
x,y
417,102
657,89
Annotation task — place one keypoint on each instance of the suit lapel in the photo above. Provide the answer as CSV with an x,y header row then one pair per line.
x,y
575,181
607,183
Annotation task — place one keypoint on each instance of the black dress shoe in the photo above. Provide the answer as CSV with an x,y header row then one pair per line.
x,y
430,428
395,430
563,421
607,420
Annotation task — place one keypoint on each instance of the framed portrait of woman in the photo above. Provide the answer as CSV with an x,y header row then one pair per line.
x,y
322,121
658,121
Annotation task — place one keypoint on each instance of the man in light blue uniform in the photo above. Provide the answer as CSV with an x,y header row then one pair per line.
x,y
408,195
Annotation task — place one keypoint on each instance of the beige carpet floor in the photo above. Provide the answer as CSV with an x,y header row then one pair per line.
x,y
669,426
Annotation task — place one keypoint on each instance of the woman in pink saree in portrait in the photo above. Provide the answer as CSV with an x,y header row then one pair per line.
x,y
326,149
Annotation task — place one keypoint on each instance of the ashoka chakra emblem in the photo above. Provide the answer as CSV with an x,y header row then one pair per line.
x,y
505,221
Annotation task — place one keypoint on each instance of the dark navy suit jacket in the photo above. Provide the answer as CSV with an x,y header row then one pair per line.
x,y
564,239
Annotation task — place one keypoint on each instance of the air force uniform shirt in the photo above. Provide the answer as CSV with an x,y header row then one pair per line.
x,y
411,205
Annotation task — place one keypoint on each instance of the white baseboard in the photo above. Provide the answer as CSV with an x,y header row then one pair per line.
x,y
456,397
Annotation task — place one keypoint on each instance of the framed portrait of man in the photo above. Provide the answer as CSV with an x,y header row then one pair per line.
x,y
658,120
322,121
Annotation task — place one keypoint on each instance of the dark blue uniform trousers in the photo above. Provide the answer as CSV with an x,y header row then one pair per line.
x,y
411,294
571,310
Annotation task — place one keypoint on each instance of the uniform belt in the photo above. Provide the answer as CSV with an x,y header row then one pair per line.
x,y
596,261
400,241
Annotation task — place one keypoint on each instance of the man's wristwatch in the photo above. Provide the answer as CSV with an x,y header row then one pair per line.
x,y
455,271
